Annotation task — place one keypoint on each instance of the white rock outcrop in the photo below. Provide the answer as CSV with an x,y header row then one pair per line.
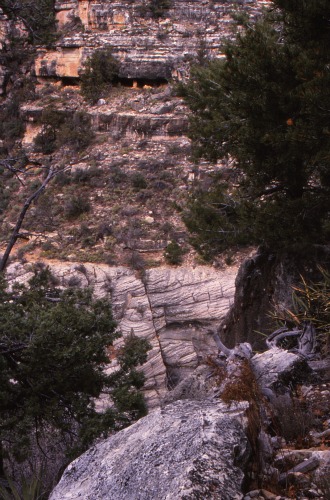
x,y
172,307
187,450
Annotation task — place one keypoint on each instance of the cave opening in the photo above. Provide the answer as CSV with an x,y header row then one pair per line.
x,y
69,81
139,83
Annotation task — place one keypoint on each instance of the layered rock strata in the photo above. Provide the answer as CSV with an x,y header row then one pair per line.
x,y
147,47
171,307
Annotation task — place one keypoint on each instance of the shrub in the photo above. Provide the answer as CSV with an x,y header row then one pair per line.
x,y
136,261
138,181
117,175
76,131
174,253
86,175
156,8
60,130
99,72
76,206
11,123
51,120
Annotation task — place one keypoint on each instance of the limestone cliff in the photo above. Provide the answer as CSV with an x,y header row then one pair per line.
x,y
172,308
148,47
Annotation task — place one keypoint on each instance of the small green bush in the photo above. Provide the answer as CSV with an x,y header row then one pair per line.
x,y
138,181
155,8
52,121
99,72
76,206
136,261
174,253
76,131
11,123
86,175
61,130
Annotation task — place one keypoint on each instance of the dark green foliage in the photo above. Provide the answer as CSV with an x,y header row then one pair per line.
x,y
86,175
51,356
11,123
76,131
159,8
51,120
127,382
5,177
99,72
37,17
54,345
138,181
59,130
215,219
174,253
136,261
76,206
154,8
266,105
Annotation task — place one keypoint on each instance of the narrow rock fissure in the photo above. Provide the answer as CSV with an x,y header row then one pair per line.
x,y
143,281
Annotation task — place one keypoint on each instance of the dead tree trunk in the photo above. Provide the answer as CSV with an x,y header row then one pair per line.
x,y
16,231
306,339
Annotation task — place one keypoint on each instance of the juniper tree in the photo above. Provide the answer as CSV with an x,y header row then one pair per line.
x,y
266,107
53,354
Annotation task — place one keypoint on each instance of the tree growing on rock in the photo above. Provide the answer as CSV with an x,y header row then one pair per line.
x,y
265,107
99,72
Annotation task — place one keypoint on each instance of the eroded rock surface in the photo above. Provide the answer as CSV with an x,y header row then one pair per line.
x,y
171,307
187,450
149,47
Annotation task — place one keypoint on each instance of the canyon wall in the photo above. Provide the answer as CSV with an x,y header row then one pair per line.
x,y
147,47
171,307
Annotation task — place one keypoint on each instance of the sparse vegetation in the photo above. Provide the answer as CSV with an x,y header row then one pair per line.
x,y
155,8
60,129
76,206
138,181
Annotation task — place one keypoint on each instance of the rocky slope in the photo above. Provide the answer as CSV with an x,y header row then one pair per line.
x,y
135,173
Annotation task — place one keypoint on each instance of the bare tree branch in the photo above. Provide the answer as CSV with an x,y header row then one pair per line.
x,y
16,231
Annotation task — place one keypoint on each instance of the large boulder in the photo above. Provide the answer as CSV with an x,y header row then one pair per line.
x,y
187,450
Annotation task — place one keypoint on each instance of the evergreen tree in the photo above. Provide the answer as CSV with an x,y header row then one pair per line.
x,y
99,72
53,351
266,107
37,17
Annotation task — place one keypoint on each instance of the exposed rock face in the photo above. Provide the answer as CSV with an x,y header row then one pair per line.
x,y
171,307
148,48
187,450
263,286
